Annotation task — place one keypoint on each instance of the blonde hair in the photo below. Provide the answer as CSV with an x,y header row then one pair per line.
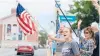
x,y
90,32
69,29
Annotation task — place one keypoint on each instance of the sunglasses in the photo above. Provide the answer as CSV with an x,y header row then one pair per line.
x,y
86,32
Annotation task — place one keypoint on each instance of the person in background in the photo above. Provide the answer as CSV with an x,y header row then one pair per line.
x,y
95,29
52,47
59,33
87,42
70,47
59,44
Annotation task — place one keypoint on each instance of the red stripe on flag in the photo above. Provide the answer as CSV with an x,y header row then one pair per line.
x,y
27,17
27,25
23,28
24,20
33,26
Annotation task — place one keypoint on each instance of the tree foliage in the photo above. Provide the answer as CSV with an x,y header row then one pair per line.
x,y
86,11
42,38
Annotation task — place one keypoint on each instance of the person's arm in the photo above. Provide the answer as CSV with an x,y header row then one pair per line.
x,y
75,49
58,35
57,39
95,3
78,30
79,24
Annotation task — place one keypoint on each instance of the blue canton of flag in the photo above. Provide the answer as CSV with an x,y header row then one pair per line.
x,y
20,9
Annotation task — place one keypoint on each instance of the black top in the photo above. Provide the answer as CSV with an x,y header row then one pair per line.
x,y
96,50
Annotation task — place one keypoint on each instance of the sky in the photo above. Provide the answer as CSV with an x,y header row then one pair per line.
x,y
43,11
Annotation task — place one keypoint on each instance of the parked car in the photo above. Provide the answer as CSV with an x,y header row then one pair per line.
x,y
25,48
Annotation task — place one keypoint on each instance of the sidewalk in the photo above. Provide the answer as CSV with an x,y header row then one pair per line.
x,y
5,49
48,52
9,44
58,54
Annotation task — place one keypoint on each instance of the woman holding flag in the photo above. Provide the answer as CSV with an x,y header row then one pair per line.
x,y
87,42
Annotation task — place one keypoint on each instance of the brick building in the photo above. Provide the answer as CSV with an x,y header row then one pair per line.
x,y
10,33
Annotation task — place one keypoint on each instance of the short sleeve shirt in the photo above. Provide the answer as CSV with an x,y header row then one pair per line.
x,y
70,49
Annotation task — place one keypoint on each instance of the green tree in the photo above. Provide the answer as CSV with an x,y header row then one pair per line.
x,y
85,11
42,38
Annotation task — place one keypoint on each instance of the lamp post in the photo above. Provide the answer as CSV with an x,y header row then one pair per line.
x,y
53,26
53,22
71,6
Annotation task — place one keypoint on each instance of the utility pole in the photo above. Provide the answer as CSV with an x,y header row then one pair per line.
x,y
57,20
57,13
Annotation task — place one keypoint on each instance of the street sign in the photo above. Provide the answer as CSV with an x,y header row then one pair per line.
x,y
58,2
70,18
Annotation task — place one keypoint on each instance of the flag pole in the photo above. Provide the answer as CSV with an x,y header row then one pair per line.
x,y
66,18
17,3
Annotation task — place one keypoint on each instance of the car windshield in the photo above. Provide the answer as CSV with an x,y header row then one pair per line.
x,y
25,43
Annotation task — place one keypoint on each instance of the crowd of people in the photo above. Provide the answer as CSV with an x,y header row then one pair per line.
x,y
88,44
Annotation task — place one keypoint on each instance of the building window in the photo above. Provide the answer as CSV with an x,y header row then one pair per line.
x,y
14,32
20,34
9,29
15,25
14,36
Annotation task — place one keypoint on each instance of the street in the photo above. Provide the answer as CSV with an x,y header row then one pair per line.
x,y
12,52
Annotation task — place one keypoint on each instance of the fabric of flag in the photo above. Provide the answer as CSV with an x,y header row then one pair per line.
x,y
24,20
57,25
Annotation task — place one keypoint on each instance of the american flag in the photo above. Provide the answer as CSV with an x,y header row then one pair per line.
x,y
24,20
